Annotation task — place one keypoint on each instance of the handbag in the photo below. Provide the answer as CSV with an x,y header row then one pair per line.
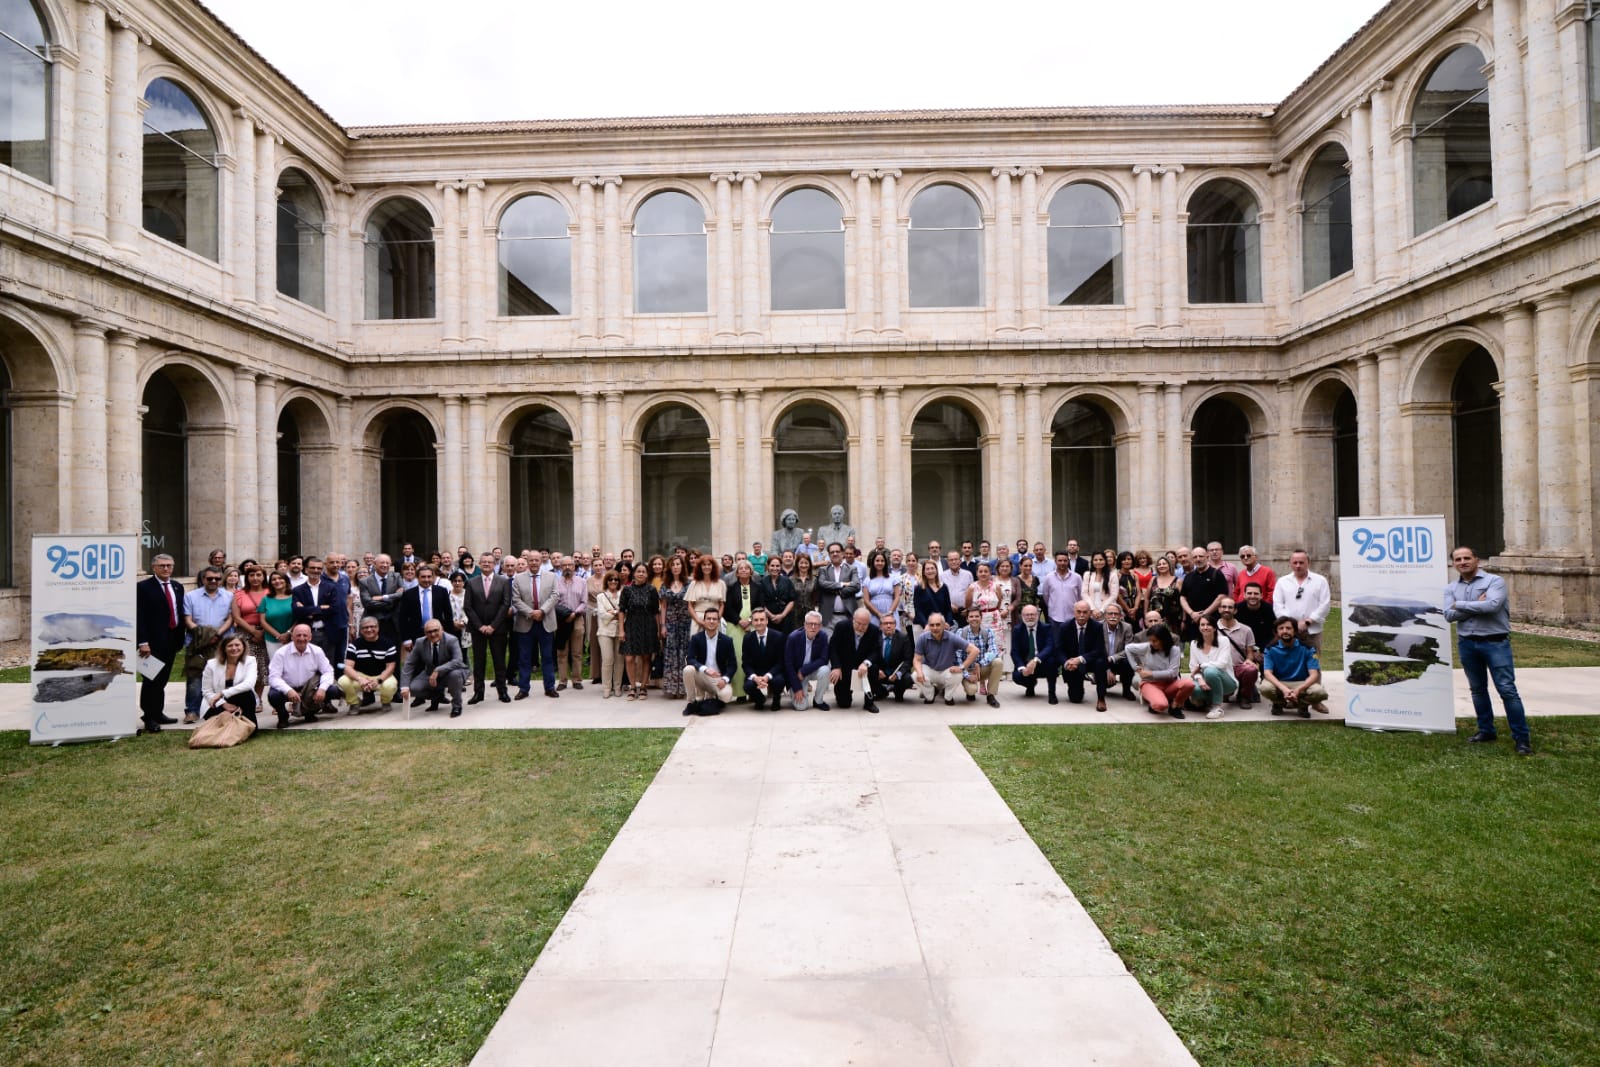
x,y
223,730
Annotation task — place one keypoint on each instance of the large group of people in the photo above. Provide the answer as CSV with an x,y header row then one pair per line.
x,y
816,625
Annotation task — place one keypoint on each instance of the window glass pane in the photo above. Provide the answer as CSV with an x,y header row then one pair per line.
x,y
300,243
946,476
1326,239
807,211
24,91
541,481
1224,245
670,213
669,255
807,271
399,262
1220,473
535,258
944,252
675,481
1083,467
941,207
1084,247
811,464
1452,172
180,170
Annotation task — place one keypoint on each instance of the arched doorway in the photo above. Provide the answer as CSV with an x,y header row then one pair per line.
x,y
1475,447
541,482
811,463
1220,473
288,518
409,481
308,466
1346,457
675,480
165,473
946,475
1083,473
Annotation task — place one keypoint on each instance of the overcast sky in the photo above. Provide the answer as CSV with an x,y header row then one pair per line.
x,y
370,62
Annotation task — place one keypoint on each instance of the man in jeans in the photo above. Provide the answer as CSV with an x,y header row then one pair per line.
x,y
1476,602
1292,675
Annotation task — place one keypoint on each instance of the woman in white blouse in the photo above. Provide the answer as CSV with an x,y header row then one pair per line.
x,y
607,603
1211,663
228,682
1101,586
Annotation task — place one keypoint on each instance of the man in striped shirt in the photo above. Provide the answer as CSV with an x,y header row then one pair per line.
x,y
370,663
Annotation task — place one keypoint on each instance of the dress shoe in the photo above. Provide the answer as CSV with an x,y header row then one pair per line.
x,y
561,685
477,698
1320,708
167,720
455,713
522,694
577,685
311,716
190,720
821,705
711,707
1305,713
283,721
972,698
927,700
150,728
1100,705
1481,737
417,702
434,707
1127,693
871,705
950,702
1176,712
993,701
1524,748
691,708
1053,699
552,694
505,697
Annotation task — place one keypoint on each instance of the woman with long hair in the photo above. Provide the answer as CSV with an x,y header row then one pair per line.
x,y
247,620
277,611
881,594
1028,591
642,629
1100,585
804,581
1005,579
1128,584
984,594
1211,663
678,609
228,682
1155,667
933,596
1165,594
608,629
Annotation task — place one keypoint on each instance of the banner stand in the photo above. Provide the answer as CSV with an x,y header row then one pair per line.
x,y
83,668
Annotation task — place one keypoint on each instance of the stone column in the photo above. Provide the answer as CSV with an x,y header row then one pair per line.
x,y
451,505
1517,433
866,486
1558,493
1547,112
1508,135
889,251
1037,504
1005,255
1144,261
725,481
865,317
266,211
126,142
1176,490
588,492
1361,193
344,519
242,247
479,483
346,264
477,316
122,433
1367,432
1391,498
1033,266
242,495
722,290
89,515
751,507
611,308
1147,470
448,238
896,523
749,255
617,512
1286,520
267,464
89,126
1276,247
1171,252
1002,527
1386,212
588,306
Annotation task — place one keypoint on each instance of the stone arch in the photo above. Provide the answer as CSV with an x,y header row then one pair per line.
x,y
31,408
1409,85
1192,181
810,471
1120,190
907,192
1458,467
967,398
1433,365
534,467
1327,402
308,458
1256,407
647,189
199,90
363,207
633,426
820,182
185,465
495,209
1301,162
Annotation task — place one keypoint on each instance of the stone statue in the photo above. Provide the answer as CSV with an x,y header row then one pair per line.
x,y
837,530
787,537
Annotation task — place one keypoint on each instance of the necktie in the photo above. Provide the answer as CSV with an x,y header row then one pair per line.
x,y
172,605
886,650
429,657
1080,639
486,580
1033,643
426,596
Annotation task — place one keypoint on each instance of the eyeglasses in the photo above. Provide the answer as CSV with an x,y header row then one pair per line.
x,y
1298,593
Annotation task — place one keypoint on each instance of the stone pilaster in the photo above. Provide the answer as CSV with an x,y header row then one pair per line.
x,y
1385,211
1547,111
896,520
448,240
1033,265
1145,262
750,317
89,127
1003,519
122,433
722,290
1147,470
889,251
1367,432
751,503
619,511
1176,490
241,257
478,240
1171,252
1361,194
1004,254
865,489
611,256
1037,508
125,142
267,465
725,479
242,494
588,492
1391,498
1558,495
588,299
1517,431
864,319
451,505
89,485
265,267
1509,115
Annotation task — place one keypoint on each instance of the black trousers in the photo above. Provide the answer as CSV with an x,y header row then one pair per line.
x,y
882,686
1075,680
153,691
245,702
1123,671
1044,672
484,648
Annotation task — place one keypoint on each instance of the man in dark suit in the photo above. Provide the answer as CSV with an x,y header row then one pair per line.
x,y
838,589
891,672
488,609
1033,650
805,664
380,596
708,674
763,661
1081,645
159,626
1118,636
854,652
316,605
433,669
1079,565
428,600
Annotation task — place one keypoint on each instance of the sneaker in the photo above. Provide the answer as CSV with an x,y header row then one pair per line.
x,y
1524,748
1214,713
821,705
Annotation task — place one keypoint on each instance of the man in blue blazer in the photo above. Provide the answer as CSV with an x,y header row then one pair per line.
x,y
708,676
764,676
317,604
1033,650
805,664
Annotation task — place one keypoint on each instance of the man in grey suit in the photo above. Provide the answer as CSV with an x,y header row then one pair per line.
x,y
533,605
380,596
488,608
433,669
838,588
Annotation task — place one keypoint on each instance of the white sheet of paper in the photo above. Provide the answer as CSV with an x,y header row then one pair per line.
x,y
149,666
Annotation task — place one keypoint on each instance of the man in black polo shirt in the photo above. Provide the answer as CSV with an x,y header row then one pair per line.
x,y
370,663
1201,593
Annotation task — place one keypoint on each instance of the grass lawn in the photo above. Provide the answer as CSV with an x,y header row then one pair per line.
x,y
1316,895
347,897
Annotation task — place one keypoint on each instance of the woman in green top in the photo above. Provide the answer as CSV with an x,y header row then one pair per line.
x,y
277,611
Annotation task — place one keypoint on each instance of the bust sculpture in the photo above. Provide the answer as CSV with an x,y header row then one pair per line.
x,y
787,537
837,530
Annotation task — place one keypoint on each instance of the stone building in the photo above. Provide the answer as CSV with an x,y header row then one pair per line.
x,y
226,320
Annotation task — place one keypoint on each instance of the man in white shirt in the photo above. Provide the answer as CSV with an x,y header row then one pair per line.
x,y
292,666
1305,598
957,579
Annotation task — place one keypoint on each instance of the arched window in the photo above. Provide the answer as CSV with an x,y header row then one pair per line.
x,y
164,456
1224,245
1220,470
807,252
300,257
24,90
408,486
1326,239
675,479
1475,433
669,254
535,258
1083,469
399,262
946,475
1451,164
944,251
810,463
180,170
1085,247
541,481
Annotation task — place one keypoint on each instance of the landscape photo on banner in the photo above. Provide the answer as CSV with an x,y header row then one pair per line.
x,y
84,682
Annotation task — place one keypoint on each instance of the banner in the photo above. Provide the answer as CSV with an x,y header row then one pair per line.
x,y
1397,652
84,685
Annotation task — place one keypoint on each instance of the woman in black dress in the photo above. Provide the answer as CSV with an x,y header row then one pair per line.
x,y
641,629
